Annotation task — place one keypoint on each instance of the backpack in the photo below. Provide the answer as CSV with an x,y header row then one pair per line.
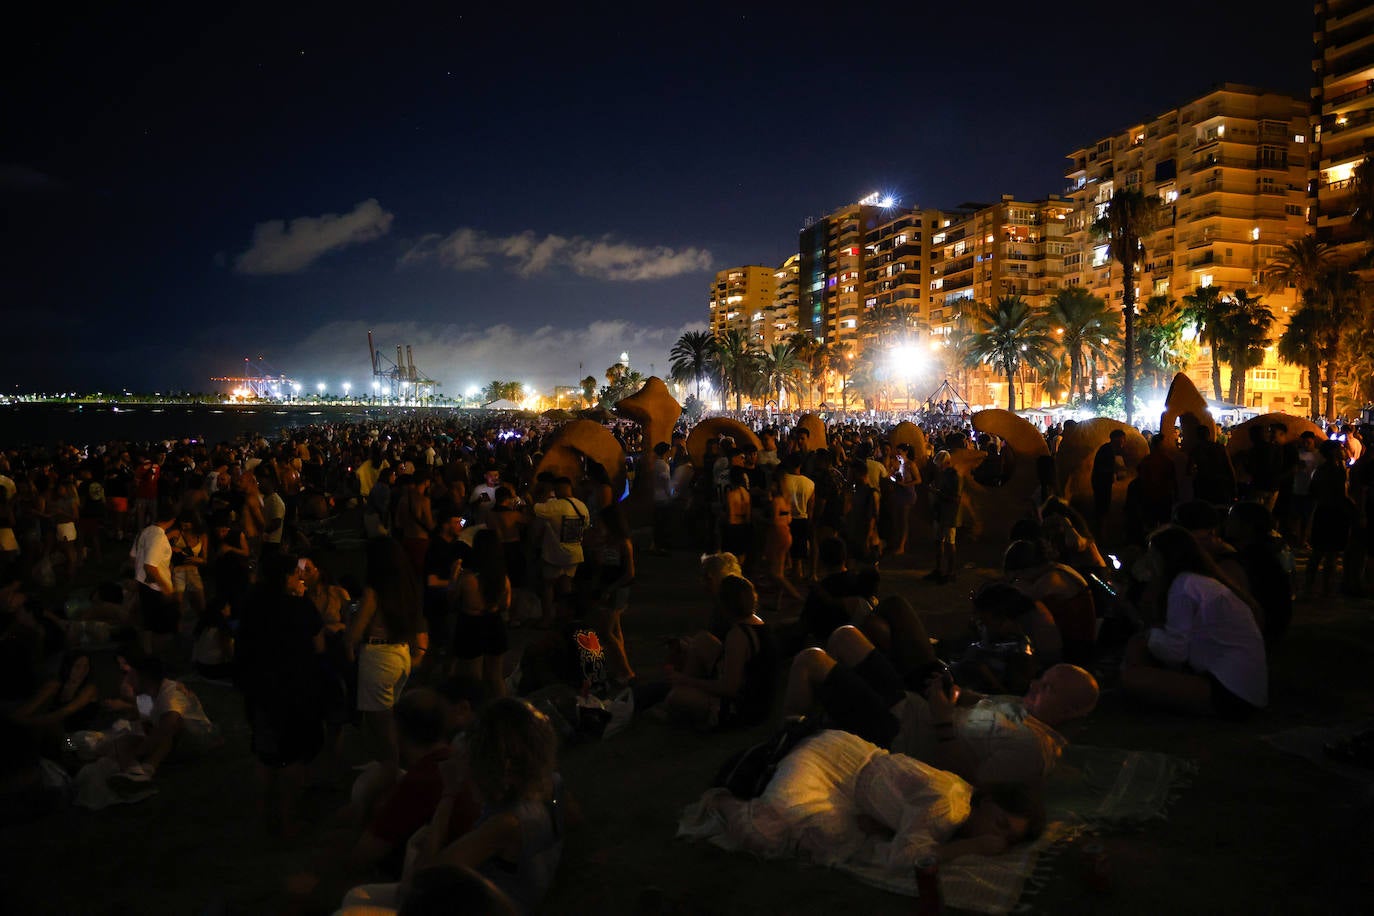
x,y
746,773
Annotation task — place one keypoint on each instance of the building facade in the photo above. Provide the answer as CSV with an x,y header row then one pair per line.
x,y
742,299
1230,168
1343,118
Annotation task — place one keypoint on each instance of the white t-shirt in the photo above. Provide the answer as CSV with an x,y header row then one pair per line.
x,y
566,519
1212,631
174,696
152,549
799,491
273,507
663,482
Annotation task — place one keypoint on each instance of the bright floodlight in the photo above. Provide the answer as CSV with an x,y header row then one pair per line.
x,y
376,385
887,202
906,360
320,387
346,386
296,387
625,357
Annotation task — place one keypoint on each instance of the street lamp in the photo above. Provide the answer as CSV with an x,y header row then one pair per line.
x,y
320,389
346,387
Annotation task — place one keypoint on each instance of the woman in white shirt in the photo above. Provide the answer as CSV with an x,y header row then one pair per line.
x,y
1208,657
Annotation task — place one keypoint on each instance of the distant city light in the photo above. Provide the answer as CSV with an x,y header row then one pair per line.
x,y
320,387
346,386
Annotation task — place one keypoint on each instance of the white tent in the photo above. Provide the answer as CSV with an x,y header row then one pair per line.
x,y
501,404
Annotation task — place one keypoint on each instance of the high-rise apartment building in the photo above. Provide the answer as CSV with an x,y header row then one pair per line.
x,y
783,321
833,268
742,299
1343,114
1231,168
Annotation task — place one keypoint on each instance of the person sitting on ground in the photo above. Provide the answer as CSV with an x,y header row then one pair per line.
x,y
730,683
171,718
837,799
715,569
1070,547
983,739
518,841
1063,593
840,596
380,846
1003,659
1203,521
1207,655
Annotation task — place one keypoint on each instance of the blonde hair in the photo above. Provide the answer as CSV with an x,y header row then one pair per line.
x,y
513,751
717,566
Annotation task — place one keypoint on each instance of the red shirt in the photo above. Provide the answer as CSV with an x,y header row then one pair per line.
x,y
412,804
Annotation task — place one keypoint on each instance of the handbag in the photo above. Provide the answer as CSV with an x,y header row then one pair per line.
x,y
746,773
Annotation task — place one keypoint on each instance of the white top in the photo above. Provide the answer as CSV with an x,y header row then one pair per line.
x,y
566,520
799,491
1212,631
151,549
273,507
174,696
663,481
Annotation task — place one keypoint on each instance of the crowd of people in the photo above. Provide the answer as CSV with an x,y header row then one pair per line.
x,y
243,566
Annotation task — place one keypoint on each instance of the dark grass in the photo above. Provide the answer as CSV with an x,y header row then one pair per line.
x,y
1257,831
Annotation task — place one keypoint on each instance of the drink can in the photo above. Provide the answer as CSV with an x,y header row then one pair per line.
x,y
929,900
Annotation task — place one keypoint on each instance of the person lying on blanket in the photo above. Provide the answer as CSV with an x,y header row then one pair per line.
x,y
984,740
837,799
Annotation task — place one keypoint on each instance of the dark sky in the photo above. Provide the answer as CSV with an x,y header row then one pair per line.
x,y
518,192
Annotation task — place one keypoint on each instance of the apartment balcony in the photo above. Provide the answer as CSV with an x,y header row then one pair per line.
x,y
1352,120
1334,153
1202,260
1352,95
1222,162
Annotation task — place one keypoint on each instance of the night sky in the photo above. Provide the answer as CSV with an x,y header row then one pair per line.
x,y
517,192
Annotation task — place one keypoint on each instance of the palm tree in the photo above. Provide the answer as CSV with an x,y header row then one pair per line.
x,y
839,357
1011,334
804,349
1159,339
1130,218
1083,323
1247,324
588,385
1338,298
1298,346
1205,310
778,368
737,357
1300,264
692,358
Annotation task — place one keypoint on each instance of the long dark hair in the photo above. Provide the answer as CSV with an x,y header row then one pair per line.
x,y
392,578
1180,552
489,563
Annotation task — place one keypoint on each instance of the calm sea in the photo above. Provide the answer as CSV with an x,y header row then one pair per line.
x,y
47,424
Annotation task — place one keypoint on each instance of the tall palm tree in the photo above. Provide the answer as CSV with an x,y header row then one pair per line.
x,y
1159,339
1011,333
779,369
839,360
1131,217
738,364
1083,324
1205,310
804,348
692,358
1247,325
1338,298
1299,346
1300,264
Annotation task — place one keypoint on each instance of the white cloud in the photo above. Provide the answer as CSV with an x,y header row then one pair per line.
x,y
527,254
282,248
463,355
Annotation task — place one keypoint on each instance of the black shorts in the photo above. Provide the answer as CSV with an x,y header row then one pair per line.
x,y
801,537
157,613
1227,704
860,699
478,635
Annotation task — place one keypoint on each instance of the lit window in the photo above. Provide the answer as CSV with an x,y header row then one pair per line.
x,y
1299,138
1204,281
